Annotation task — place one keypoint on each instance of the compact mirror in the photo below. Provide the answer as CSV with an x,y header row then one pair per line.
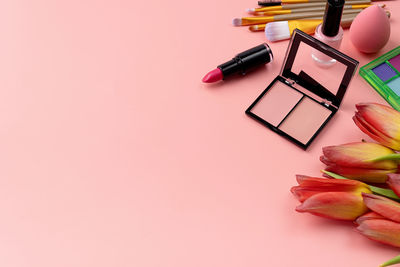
x,y
326,81
330,77
300,102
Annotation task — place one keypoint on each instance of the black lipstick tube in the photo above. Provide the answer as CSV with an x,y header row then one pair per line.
x,y
247,60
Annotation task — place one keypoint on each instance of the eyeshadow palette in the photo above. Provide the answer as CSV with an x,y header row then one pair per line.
x,y
384,75
305,96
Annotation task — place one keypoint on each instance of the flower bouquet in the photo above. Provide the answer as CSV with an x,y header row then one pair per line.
x,y
347,193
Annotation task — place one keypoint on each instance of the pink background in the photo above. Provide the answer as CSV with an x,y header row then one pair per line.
x,y
113,153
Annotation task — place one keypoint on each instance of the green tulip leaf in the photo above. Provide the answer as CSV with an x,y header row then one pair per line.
x,y
334,175
395,260
384,192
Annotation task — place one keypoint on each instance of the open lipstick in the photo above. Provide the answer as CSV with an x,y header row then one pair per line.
x,y
241,63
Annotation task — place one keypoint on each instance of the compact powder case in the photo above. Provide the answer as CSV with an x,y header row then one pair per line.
x,y
305,96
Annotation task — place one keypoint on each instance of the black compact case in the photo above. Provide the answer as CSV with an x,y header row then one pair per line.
x,y
305,96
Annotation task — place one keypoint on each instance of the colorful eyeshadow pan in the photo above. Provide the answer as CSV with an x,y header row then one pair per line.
x,y
395,62
383,74
395,85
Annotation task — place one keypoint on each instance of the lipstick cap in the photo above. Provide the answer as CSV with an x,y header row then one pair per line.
x,y
254,57
332,17
247,60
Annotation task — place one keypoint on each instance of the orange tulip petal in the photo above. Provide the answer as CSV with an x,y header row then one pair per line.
x,y
388,208
368,216
335,205
383,231
303,193
309,186
394,182
304,180
328,184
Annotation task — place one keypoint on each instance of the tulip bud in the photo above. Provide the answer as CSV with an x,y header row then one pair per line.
x,y
380,122
383,231
382,224
331,198
383,206
354,161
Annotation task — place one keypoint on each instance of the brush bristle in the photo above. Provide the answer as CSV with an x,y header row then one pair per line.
x,y
251,10
278,30
237,22
254,28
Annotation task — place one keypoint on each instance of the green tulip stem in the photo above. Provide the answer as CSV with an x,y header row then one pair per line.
x,y
395,156
395,260
377,190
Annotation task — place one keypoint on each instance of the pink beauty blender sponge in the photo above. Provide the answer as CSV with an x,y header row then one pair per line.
x,y
370,30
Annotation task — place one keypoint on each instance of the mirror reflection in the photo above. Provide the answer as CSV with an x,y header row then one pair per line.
x,y
304,66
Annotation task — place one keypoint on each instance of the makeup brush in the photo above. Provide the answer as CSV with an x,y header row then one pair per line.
x,y
310,9
311,21
260,20
268,2
303,5
281,30
261,27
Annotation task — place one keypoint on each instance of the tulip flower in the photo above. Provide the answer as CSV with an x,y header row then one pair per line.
x,y
384,229
330,198
380,122
354,161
